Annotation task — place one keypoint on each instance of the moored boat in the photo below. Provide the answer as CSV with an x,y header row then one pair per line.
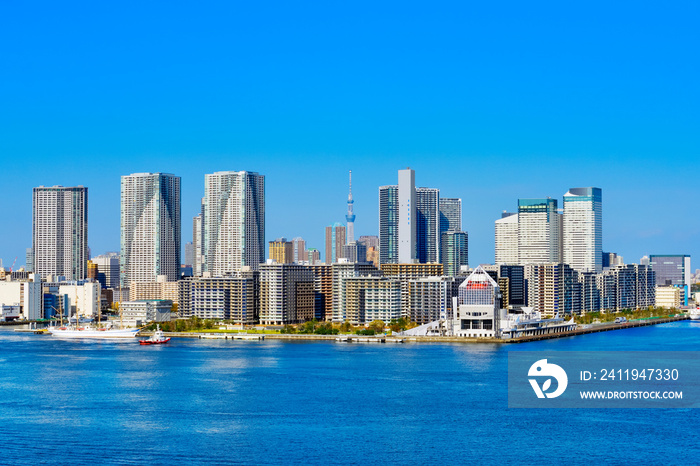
x,y
75,332
157,338
694,314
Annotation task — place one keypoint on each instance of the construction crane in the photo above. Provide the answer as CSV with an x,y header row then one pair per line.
x,y
13,264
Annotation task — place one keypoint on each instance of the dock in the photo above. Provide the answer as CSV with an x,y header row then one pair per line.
x,y
231,336
599,328
368,339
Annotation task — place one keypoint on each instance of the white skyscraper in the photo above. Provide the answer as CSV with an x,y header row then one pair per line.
x,y
150,227
583,229
507,239
407,216
59,231
539,231
234,221
197,243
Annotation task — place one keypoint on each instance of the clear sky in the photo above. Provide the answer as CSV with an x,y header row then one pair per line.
x,y
488,101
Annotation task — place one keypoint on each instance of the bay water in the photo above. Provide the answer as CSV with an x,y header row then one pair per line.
x,y
275,402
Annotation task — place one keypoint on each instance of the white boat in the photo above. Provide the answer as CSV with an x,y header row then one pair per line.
x,y
694,314
105,333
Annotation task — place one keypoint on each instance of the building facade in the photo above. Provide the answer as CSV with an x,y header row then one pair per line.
x,y
407,216
150,227
286,294
672,270
388,224
506,240
282,251
139,313
539,231
234,221
477,313
454,251
60,231
370,298
583,229
107,269
335,241
427,225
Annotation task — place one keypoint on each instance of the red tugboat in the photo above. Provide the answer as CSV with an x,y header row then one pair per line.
x,y
156,339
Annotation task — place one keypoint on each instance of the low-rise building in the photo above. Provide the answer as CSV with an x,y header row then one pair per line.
x,y
670,297
25,294
139,313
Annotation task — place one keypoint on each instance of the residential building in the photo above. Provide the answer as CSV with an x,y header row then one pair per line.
x,y
371,245
539,231
81,297
139,313
340,271
611,259
427,299
222,298
370,298
669,297
554,289
407,223
234,221
29,259
107,269
160,289
388,224
60,231
150,227
583,229
189,254
517,285
286,294
300,255
335,240
507,239
198,243
626,287
282,251
323,291
314,256
24,297
355,252
450,214
427,225
454,251
410,271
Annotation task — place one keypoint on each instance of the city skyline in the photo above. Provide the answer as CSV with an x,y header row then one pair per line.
x,y
476,256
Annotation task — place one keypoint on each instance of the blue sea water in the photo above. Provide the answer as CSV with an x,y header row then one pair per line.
x,y
273,402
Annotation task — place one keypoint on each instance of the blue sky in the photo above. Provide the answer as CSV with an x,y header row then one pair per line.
x,y
488,102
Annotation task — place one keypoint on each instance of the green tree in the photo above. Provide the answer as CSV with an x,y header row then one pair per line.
x,y
377,326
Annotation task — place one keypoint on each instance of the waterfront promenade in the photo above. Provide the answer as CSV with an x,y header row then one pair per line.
x,y
594,328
